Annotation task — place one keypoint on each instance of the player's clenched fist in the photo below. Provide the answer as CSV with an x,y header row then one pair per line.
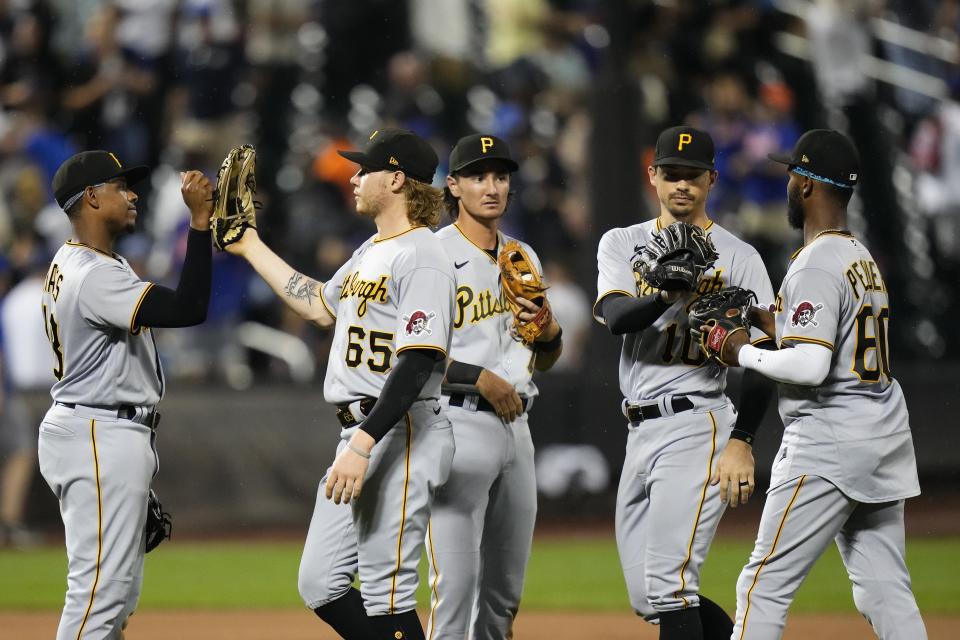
x,y
197,192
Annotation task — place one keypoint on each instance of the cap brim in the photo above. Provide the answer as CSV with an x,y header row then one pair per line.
x,y
510,162
684,162
355,156
134,175
781,158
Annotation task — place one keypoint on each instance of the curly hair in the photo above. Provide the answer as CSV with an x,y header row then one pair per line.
x,y
423,202
451,204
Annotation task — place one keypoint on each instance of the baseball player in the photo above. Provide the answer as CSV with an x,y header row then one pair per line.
x,y
391,305
686,445
97,442
481,527
846,463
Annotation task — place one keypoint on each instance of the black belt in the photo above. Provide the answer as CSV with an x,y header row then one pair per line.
x,y
460,399
652,411
346,417
125,411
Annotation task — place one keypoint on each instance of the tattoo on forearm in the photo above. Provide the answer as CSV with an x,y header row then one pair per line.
x,y
299,287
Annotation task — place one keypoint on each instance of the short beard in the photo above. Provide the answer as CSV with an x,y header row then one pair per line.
x,y
794,210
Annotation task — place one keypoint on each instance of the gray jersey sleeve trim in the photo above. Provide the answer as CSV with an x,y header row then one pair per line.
x,y
134,328
597,315
822,343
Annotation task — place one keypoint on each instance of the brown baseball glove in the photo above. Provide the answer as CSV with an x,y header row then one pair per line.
x,y
519,279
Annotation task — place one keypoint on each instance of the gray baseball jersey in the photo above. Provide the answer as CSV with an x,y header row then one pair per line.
x,y
663,359
96,444
100,358
393,294
482,316
846,461
667,510
484,515
852,429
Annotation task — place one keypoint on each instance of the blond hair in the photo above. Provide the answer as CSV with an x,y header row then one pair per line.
x,y
423,202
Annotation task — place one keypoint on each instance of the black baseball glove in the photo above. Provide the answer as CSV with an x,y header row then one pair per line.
x,y
725,312
158,526
676,257
234,209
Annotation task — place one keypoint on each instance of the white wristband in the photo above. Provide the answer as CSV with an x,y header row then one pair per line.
x,y
359,452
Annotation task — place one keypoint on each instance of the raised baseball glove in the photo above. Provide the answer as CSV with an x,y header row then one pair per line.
x,y
234,209
675,258
158,526
725,312
519,279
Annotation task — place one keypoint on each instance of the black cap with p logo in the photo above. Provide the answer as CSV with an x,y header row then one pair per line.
x,y
479,147
685,147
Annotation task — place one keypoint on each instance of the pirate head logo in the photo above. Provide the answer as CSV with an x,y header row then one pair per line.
x,y
804,314
418,323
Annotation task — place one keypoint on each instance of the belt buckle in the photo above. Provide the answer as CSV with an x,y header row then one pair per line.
x,y
471,401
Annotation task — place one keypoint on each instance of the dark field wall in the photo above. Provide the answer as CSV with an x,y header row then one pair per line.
x,y
252,460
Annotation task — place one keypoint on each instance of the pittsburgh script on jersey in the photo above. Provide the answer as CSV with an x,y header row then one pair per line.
x,y
366,290
481,306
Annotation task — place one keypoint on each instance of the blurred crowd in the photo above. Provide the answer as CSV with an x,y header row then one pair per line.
x,y
175,83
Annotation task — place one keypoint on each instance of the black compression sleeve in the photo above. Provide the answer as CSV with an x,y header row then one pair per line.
x,y
755,396
400,390
624,314
187,305
463,372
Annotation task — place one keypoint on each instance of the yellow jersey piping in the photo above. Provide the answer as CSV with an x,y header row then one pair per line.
x,y
96,575
403,513
776,539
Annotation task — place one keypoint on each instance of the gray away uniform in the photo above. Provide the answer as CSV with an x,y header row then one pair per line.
x,y
846,462
667,512
482,525
393,294
96,444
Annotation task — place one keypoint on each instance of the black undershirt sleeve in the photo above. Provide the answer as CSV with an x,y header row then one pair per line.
x,y
755,395
400,390
624,314
187,305
463,372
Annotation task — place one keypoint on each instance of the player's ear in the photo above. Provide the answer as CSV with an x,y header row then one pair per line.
x,y
652,173
806,187
713,178
453,186
90,195
397,180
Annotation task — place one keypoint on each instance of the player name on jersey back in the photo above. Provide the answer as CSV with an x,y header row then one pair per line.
x,y
393,294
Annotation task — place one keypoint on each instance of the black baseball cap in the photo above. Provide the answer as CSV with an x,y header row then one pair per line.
x,y
825,155
479,147
397,150
686,147
88,168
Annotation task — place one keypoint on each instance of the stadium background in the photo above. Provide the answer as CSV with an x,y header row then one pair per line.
x,y
580,89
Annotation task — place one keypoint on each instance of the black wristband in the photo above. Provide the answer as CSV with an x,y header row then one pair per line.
x,y
549,345
463,372
740,434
